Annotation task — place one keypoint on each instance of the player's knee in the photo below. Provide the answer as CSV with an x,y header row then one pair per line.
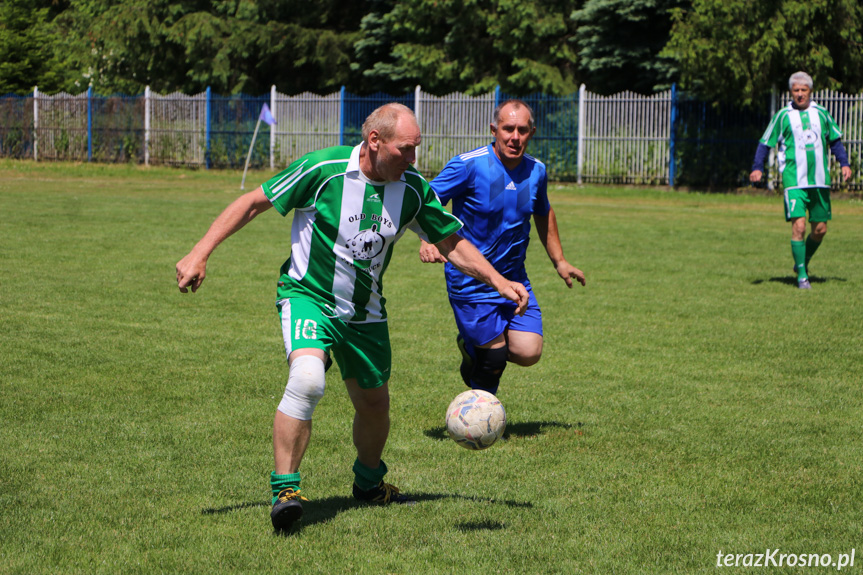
x,y
377,405
305,387
526,359
488,368
525,351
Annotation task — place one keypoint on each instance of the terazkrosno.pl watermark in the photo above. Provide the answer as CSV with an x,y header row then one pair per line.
x,y
776,558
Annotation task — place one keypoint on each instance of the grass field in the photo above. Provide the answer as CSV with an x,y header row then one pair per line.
x,y
690,401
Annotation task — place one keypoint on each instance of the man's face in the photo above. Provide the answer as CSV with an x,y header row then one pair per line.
x,y
512,134
395,156
801,94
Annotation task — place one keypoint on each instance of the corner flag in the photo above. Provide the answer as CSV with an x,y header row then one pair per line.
x,y
267,117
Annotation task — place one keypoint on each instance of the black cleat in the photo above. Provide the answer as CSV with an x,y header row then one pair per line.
x,y
383,494
287,509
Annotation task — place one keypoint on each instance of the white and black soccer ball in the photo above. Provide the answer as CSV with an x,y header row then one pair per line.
x,y
475,419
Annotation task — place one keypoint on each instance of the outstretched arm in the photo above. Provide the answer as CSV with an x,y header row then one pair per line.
x,y
192,269
546,229
468,260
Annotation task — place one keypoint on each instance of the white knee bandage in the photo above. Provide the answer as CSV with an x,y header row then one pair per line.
x,y
305,387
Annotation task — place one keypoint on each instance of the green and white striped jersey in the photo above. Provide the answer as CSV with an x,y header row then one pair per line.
x,y
803,138
344,229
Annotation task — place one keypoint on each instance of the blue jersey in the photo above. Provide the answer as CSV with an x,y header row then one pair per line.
x,y
495,204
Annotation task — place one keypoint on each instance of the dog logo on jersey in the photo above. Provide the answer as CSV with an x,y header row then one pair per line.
x,y
366,244
808,138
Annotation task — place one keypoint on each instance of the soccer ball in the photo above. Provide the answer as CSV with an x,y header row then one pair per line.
x,y
475,419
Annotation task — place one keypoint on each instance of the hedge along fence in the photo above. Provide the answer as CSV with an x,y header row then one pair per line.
x,y
665,138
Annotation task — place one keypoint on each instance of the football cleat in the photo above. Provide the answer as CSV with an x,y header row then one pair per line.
x,y
287,509
804,283
383,494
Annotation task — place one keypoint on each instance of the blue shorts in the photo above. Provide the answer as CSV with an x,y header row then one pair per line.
x,y
480,322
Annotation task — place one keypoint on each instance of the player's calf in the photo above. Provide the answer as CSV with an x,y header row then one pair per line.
x,y
488,368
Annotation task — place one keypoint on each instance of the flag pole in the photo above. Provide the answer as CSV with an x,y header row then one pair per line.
x,y
249,155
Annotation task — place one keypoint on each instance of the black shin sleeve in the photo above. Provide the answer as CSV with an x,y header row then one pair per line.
x,y
488,368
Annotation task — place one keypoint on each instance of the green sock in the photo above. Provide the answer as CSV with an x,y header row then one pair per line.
x,y
279,482
811,247
367,478
798,251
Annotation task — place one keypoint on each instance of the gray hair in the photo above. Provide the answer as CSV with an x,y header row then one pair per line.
x,y
384,120
800,78
495,116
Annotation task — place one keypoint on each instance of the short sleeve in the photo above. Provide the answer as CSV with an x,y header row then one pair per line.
x,y
774,130
452,181
293,187
833,131
432,222
542,206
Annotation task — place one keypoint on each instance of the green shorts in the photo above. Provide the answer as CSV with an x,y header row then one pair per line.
x,y
815,200
362,350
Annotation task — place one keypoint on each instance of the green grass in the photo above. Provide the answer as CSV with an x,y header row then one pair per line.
x,y
690,398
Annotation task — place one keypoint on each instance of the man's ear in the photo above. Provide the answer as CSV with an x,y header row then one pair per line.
x,y
374,140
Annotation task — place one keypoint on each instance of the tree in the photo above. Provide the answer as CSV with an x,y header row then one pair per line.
x,y
27,56
469,46
736,50
230,45
619,44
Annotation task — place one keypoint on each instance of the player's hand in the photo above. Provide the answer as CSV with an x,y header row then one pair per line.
x,y
755,176
429,254
567,272
517,293
191,271
846,173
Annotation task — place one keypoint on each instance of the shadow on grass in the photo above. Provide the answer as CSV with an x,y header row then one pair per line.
x,y
480,526
792,280
323,510
230,508
521,429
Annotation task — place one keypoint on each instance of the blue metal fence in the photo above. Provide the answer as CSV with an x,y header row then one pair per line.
x,y
707,145
231,123
714,144
16,126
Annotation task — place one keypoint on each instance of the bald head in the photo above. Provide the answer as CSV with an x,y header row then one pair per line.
x,y
385,121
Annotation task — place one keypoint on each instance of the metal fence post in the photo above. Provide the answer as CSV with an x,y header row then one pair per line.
x,y
771,158
580,142
208,111
272,128
35,123
147,126
342,116
418,114
497,96
90,123
672,164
